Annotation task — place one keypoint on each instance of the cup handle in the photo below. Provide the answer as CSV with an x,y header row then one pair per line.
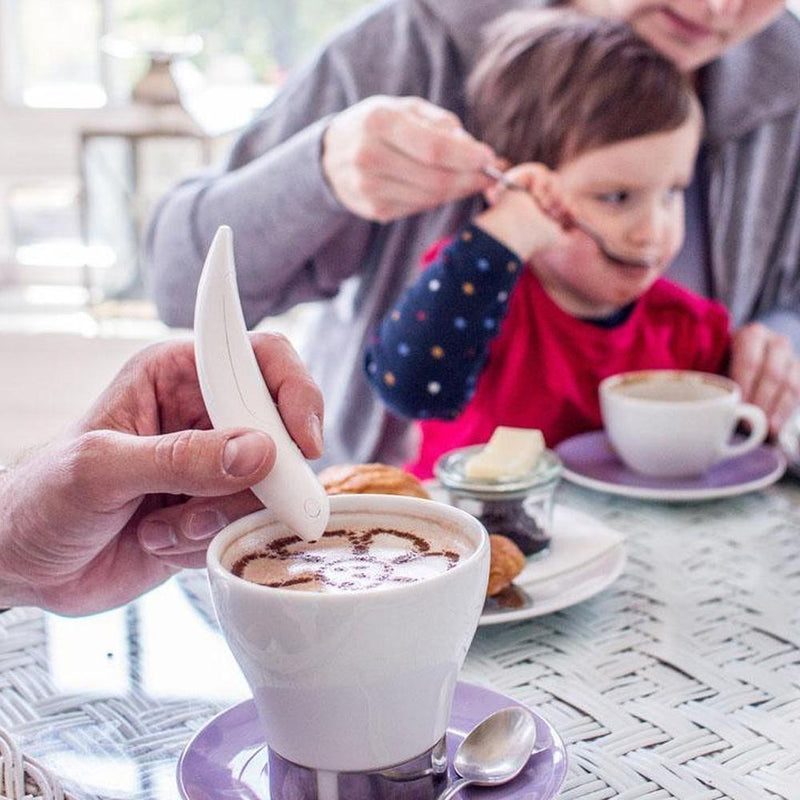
x,y
747,412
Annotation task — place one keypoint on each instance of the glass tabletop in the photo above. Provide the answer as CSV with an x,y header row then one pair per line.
x,y
680,680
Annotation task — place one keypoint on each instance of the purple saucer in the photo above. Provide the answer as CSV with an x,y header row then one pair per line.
x,y
228,759
590,461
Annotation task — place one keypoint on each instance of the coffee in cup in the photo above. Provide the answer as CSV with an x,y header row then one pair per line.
x,y
351,560
353,654
676,423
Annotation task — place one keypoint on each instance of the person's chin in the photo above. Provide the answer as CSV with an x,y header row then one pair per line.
x,y
631,285
688,48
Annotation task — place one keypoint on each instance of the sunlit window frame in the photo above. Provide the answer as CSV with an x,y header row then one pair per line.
x,y
26,121
11,70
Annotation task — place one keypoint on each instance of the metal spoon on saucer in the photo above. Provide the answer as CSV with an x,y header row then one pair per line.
x,y
608,252
494,751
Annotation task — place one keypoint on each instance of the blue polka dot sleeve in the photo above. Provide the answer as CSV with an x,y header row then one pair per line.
x,y
429,350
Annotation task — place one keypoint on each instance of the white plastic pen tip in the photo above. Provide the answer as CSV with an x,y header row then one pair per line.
x,y
313,528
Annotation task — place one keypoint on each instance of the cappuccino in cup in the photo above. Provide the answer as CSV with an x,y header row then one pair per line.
x,y
352,644
676,423
351,560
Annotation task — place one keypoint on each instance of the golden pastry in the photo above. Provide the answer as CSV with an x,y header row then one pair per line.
x,y
370,479
507,561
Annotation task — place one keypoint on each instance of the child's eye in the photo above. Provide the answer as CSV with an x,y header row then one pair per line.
x,y
674,194
614,198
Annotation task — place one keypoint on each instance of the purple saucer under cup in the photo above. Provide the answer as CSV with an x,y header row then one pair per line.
x,y
227,758
590,460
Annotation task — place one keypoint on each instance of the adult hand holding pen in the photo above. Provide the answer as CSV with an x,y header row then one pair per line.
x,y
136,489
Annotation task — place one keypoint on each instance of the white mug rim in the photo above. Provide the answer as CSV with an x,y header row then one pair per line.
x,y
731,388
259,519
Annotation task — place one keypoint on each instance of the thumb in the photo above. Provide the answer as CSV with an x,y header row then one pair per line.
x,y
203,463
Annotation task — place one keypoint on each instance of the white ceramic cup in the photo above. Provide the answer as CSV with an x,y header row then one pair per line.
x,y
353,681
676,423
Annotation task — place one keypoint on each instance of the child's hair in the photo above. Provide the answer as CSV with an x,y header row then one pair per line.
x,y
552,84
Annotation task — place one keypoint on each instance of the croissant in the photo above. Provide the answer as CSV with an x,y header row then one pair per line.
x,y
370,479
507,562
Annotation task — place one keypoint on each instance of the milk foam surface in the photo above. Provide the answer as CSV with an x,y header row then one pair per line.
x,y
671,390
349,560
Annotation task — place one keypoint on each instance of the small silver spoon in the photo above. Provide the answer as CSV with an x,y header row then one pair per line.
x,y
501,177
495,750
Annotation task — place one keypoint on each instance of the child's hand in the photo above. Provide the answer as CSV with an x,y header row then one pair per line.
x,y
529,218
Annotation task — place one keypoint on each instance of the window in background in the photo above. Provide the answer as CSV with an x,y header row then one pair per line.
x,y
245,40
69,67
47,61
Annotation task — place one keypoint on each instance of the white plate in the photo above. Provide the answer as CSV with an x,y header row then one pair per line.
x,y
590,461
552,582
544,595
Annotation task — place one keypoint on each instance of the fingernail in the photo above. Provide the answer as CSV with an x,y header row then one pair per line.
x,y
157,535
244,454
315,426
204,524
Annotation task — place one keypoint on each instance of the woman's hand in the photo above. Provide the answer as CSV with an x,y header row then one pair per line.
x,y
766,367
390,157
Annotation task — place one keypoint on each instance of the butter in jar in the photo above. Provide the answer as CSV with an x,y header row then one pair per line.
x,y
519,507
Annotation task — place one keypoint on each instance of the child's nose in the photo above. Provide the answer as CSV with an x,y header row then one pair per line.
x,y
650,227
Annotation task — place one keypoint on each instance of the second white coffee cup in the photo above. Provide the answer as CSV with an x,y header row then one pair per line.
x,y
676,423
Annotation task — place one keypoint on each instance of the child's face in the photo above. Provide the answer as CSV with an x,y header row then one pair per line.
x,y
690,32
631,193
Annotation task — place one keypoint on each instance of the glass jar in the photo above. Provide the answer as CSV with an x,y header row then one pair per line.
x,y
520,508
